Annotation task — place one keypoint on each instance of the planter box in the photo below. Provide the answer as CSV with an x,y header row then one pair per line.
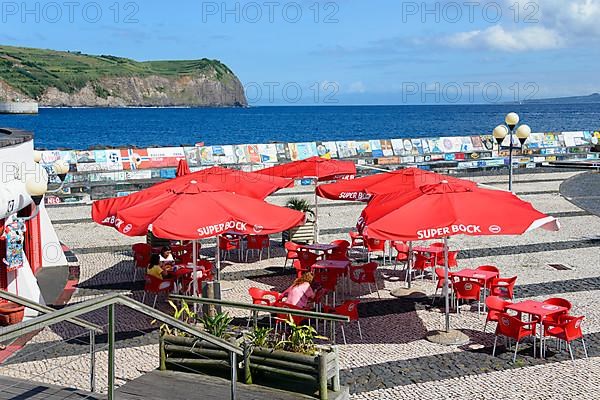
x,y
300,234
11,313
285,370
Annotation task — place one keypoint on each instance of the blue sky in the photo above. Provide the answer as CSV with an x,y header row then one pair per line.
x,y
345,51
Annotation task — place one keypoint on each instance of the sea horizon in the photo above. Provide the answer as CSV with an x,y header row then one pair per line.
x,y
82,128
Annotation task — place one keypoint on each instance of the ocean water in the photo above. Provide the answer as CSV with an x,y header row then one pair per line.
x,y
145,127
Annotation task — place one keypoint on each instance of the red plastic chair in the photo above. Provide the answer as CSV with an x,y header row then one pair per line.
x,y
467,290
356,239
205,275
305,261
452,259
439,273
489,268
258,243
341,243
422,262
366,273
439,255
375,245
503,287
513,328
292,252
156,286
281,318
208,268
349,309
183,254
142,253
553,319
227,245
328,281
340,252
568,330
263,297
403,253
495,305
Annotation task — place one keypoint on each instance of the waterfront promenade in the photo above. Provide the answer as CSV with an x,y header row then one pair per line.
x,y
393,361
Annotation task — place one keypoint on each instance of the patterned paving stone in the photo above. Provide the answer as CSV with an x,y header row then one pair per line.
x,y
393,360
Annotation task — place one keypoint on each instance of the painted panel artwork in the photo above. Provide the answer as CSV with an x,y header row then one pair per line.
x,y
14,235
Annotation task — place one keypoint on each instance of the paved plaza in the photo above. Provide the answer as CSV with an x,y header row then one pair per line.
x,y
393,360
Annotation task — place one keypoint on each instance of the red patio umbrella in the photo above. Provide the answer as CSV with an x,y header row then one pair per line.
x,y
361,189
249,184
447,209
200,211
183,168
317,168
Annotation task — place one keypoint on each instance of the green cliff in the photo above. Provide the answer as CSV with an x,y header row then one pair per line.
x,y
58,78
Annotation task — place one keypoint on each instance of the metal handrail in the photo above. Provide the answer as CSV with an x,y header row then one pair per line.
x,y
34,324
257,307
22,301
85,307
71,312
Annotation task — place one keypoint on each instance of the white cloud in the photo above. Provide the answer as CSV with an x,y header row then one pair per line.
x,y
541,25
571,17
498,38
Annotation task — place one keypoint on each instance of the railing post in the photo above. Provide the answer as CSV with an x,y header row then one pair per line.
x,y
233,361
247,372
92,361
111,352
323,395
336,378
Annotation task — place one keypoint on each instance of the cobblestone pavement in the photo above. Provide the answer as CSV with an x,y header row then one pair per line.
x,y
393,360
584,191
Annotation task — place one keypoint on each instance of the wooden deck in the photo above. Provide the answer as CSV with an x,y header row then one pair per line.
x,y
17,389
155,385
182,386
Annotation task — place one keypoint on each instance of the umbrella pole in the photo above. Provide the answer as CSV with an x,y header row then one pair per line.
x,y
218,260
195,266
446,294
316,212
195,270
409,264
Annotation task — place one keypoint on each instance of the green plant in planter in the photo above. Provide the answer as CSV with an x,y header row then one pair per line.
x,y
261,337
301,338
298,204
217,325
184,314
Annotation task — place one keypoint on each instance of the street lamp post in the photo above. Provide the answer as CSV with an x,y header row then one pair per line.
x,y
502,131
36,184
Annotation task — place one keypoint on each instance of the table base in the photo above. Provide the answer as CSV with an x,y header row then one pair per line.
x,y
451,338
412,293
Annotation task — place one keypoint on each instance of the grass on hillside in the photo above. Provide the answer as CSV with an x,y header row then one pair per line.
x,y
32,71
